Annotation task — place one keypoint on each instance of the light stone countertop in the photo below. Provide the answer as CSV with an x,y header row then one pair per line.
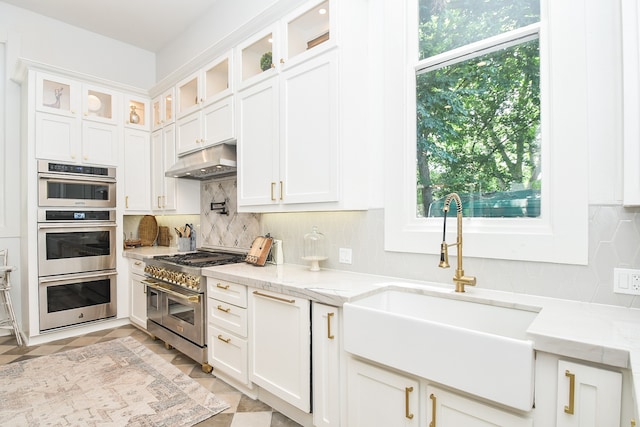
x,y
145,252
598,333
604,334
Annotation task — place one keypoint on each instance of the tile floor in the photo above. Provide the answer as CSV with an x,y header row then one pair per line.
x,y
244,411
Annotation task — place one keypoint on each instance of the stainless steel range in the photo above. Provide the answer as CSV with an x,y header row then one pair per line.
x,y
176,299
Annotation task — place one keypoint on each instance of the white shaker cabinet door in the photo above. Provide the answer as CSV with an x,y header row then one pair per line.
x,y
587,396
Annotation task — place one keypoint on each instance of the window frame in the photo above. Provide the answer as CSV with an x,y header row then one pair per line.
x,y
560,234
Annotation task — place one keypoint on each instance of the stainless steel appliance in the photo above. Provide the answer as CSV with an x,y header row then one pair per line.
x,y
76,241
76,244
70,299
66,185
176,299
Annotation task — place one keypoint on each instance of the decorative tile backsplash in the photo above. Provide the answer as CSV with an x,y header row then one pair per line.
x,y
236,230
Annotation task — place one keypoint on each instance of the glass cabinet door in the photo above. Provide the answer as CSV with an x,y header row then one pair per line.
x,y
57,95
307,30
99,104
256,58
136,112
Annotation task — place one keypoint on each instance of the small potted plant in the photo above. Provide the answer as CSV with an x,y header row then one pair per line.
x,y
266,61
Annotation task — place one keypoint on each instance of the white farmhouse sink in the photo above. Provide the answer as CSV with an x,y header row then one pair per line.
x,y
474,347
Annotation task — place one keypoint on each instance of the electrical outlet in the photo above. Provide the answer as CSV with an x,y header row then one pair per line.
x,y
344,256
626,281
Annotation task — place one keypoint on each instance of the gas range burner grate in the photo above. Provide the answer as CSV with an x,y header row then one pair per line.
x,y
202,259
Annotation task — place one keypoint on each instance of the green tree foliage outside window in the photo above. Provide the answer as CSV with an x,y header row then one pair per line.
x,y
478,116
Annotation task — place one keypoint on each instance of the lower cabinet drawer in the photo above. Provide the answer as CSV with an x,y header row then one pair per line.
x,y
228,354
227,316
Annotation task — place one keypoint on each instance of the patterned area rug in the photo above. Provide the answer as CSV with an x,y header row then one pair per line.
x,y
113,383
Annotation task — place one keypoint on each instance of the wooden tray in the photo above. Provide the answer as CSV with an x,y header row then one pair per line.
x,y
148,230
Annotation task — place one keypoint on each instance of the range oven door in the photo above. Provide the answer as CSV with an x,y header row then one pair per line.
x,y
181,310
75,248
70,299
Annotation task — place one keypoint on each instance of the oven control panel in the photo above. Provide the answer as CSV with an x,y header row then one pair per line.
x,y
180,278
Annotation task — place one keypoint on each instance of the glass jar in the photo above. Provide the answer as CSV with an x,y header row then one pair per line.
x,y
315,248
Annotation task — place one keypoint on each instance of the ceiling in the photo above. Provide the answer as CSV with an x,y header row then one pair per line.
x,y
147,24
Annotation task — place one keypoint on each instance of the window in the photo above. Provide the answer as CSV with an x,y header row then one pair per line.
x,y
478,107
484,102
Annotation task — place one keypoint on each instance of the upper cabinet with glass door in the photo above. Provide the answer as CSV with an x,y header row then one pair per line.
x,y
58,95
305,32
162,109
209,84
136,112
99,105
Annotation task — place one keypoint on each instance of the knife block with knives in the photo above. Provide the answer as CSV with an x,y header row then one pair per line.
x,y
259,250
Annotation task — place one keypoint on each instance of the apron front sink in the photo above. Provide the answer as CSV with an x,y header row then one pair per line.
x,y
478,348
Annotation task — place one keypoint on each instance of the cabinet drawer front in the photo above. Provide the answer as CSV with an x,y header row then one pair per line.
x,y
228,316
137,267
228,292
228,354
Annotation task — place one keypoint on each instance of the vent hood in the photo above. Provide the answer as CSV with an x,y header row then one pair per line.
x,y
211,162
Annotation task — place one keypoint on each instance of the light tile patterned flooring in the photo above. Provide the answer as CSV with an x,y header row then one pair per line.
x,y
244,411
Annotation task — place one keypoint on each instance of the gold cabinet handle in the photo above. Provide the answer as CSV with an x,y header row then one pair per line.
x,y
273,184
225,287
159,202
290,301
282,60
572,389
224,340
225,310
126,202
433,410
633,423
407,414
329,334
281,190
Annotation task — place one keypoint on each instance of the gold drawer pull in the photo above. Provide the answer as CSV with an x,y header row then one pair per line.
x,y
433,410
226,310
407,414
572,388
225,287
290,301
227,340
329,334
273,197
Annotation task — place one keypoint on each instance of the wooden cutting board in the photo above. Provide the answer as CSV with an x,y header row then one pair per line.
x,y
259,250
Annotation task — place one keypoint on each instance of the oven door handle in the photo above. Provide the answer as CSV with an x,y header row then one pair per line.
x,y
158,287
67,277
83,178
49,226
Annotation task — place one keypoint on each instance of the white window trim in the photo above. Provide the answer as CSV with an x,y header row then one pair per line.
x,y
560,235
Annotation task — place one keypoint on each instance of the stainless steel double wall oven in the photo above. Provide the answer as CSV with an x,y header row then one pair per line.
x,y
76,244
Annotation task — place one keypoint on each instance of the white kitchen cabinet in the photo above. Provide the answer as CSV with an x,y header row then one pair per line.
x,y
587,396
381,397
207,127
228,329
300,123
209,84
138,313
447,409
287,129
163,156
326,344
63,133
205,107
136,112
58,95
163,109
137,171
630,17
280,346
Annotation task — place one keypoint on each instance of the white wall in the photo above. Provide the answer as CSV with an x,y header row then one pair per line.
x,y
52,42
